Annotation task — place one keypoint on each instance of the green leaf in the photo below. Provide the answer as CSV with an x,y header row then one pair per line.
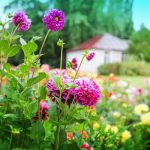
x,y
35,38
43,92
62,137
7,67
29,48
24,69
36,79
22,41
69,85
30,109
72,146
4,45
9,116
57,81
13,50
37,131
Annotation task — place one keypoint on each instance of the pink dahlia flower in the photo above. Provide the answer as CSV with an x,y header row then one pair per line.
x,y
54,91
87,93
21,20
54,20
90,56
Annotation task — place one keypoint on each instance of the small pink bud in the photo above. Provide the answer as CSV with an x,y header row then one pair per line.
x,y
74,63
90,56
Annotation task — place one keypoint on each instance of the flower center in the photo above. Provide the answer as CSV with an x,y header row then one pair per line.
x,y
56,19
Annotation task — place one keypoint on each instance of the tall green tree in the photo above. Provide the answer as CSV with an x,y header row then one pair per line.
x,y
140,44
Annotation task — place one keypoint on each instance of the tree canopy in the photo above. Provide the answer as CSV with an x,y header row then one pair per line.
x,y
140,44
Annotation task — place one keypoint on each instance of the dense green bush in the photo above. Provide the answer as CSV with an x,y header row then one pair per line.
x,y
109,68
126,68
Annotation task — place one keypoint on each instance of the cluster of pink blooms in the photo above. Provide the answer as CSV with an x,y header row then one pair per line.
x,y
67,95
43,111
87,146
86,93
21,20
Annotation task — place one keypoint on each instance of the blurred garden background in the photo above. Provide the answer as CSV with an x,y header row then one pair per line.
x,y
124,19
103,104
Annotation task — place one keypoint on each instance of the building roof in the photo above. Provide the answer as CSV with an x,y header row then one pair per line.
x,y
105,42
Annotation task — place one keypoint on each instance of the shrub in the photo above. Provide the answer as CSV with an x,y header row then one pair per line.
x,y
109,68
135,68
131,68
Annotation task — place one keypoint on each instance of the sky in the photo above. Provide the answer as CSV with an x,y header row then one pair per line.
x,y
141,12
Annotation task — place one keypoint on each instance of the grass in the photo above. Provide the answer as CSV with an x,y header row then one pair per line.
x,y
137,81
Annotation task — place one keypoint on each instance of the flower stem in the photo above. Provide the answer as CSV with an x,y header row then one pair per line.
x,y
61,56
75,77
58,126
78,68
10,141
44,42
40,51
57,138
13,33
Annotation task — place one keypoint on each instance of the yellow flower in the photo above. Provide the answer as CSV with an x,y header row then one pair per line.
x,y
145,118
111,128
140,109
116,114
125,135
96,125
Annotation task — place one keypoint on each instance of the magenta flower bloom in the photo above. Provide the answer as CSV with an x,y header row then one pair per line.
x,y
74,64
43,111
54,20
21,20
90,56
54,91
87,93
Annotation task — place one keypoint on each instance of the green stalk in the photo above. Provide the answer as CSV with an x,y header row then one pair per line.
x,y
13,33
10,142
44,42
58,126
75,76
61,56
40,51
79,68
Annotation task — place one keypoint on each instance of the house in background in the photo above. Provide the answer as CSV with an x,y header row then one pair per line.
x,y
107,48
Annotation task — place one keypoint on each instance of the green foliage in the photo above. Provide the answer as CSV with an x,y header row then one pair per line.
x,y
140,44
131,68
106,69
135,68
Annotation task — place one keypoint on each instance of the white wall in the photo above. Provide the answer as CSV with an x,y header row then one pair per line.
x,y
115,56
99,59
